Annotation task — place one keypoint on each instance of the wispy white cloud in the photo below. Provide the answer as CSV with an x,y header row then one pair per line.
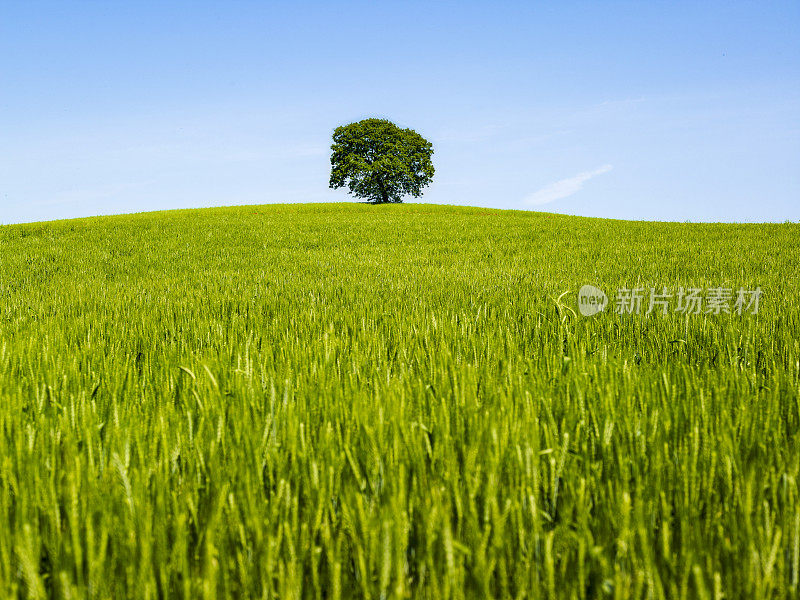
x,y
563,188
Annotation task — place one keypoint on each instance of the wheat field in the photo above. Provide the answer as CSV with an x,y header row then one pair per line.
x,y
354,401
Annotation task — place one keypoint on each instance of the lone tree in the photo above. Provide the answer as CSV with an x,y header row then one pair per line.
x,y
379,161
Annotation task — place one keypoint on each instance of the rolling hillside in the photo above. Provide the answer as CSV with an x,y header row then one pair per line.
x,y
355,401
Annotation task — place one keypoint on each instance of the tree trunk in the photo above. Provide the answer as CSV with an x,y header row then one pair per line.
x,y
384,195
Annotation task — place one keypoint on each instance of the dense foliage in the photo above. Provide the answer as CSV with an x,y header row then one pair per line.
x,y
380,162
342,402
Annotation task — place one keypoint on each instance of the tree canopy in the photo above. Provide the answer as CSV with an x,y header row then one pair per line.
x,y
379,161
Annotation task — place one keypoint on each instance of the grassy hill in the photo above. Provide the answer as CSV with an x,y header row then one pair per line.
x,y
346,401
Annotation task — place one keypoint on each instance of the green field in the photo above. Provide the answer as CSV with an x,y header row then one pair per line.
x,y
355,401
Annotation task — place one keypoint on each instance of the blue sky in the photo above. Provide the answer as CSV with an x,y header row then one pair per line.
x,y
640,110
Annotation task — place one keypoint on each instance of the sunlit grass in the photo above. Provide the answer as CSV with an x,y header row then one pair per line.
x,y
346,401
